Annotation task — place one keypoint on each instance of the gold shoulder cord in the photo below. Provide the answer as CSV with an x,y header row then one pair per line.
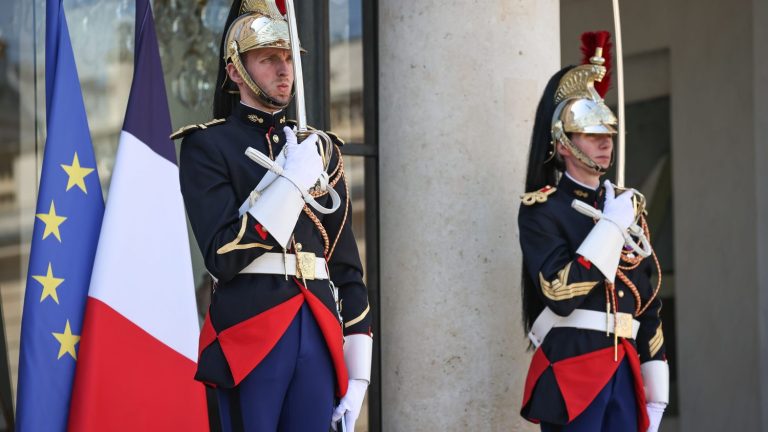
x,y
336,175
319,226
346,212
633,262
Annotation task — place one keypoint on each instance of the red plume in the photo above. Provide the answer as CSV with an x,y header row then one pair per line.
x,y
590,41
281,6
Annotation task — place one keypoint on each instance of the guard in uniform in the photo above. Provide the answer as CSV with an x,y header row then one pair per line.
x,y
287,339
590,309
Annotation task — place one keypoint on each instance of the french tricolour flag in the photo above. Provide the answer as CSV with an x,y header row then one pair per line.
x,y
136,360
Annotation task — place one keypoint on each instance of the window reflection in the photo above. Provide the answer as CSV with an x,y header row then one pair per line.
x,y
346,69
18,180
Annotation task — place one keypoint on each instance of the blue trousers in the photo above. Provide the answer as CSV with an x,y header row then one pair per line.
x,y
291,390
613,410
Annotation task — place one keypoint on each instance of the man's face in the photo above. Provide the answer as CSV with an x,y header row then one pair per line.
x,y
597,147
272,69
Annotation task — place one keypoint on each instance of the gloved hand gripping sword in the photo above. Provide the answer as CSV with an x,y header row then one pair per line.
x,y
303,131
642,246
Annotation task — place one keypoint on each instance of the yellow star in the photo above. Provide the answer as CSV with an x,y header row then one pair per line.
x,y
67,341
52,222
76,174
49,283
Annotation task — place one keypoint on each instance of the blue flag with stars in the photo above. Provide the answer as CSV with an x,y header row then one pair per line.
x,y
66,230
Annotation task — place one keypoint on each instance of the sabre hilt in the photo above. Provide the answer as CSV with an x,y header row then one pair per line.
x,y
638,201
642,246
324,143
275,169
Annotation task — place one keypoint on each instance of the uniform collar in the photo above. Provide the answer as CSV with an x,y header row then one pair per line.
x,y
260,119
579,191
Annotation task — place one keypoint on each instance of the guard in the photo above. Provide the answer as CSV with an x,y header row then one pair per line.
x,y
589,307
287,340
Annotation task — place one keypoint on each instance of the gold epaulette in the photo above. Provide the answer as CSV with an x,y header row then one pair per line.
x,y
539,196
186,130
336,139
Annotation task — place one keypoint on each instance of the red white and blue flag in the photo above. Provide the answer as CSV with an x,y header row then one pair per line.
x,y
138,350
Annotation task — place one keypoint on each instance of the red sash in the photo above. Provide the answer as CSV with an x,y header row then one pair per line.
x,y
581,378
247,343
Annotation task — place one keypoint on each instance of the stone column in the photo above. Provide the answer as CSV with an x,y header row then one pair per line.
x,y
719,122
459,85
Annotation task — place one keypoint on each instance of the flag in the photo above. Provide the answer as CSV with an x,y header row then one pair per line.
x,y
137,356
66,230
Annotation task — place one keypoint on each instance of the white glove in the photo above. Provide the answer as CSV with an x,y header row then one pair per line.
x,y
350,404
605,241
619,210
303,164
655,411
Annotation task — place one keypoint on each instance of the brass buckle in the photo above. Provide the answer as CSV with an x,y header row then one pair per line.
x,y
305,265
623,325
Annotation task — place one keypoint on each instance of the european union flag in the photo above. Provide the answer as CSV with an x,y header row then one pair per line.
x,y
67,224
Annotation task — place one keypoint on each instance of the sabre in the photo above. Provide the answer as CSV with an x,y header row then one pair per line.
x,y
621,149
298,75
622,136
324,143
642,246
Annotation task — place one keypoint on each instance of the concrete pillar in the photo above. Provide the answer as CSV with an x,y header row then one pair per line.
x,y
459,84
719,120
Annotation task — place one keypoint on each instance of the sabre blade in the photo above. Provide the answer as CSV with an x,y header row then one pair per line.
x,y
298,77
621,148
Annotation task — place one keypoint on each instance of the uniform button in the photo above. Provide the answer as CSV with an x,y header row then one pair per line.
x,y
275,138
298,247
621,293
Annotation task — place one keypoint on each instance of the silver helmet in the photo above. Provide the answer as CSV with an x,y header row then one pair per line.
x,y
581,109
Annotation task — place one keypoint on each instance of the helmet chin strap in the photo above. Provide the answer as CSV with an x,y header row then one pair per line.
x,y
586,160
262,95
559,136
583,158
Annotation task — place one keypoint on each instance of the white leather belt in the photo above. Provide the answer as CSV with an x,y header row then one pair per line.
x,y
283,264
581,319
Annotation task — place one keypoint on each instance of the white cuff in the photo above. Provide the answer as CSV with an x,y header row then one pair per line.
x,y
278,208
656,381
358,349
603,247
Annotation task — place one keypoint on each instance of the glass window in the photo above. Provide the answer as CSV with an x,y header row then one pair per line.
x,y
18,181
346,69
